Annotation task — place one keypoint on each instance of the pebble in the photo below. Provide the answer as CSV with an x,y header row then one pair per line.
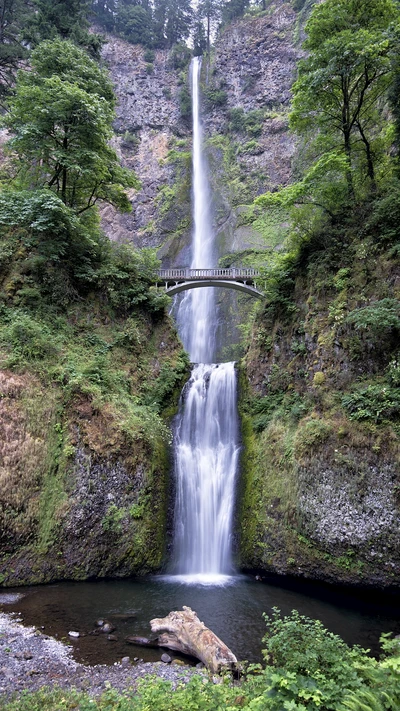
x,y
166,658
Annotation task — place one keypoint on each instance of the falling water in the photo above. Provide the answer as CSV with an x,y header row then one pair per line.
x,y
206,440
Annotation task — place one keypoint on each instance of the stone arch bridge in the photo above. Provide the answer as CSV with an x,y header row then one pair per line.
x,y
239,278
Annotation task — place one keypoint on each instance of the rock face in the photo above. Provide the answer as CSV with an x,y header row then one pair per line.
x,y
321,492
81,495
147,125
255,64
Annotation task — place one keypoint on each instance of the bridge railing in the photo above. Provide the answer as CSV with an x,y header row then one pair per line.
x,y
230,273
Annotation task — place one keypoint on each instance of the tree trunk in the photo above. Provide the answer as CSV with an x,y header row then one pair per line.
x,y
183,632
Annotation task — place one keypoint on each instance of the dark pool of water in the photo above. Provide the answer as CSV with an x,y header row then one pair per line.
x,y
233,612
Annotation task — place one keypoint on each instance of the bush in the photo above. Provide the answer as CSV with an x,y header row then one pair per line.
x,y
380,319
185,103
26,338
376,402
180,56
215,97
310,435
149,56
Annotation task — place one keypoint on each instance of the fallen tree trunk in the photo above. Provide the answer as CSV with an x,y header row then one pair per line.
x,y
183,632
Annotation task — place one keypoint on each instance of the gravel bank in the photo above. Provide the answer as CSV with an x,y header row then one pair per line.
x,y
30,660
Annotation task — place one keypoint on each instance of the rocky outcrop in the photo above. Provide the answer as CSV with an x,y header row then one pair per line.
x,y
322,481
147,125
255,64
84,483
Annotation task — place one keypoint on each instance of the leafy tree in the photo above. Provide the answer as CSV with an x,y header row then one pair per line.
x,y
11,49
61,117
65,18
199,35
210,12
104,12
134,22
172,21
233,9
342,81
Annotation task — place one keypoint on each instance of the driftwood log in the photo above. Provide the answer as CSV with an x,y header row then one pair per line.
x,y
183,632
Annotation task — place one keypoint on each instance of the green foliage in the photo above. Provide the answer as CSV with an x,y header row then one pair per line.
x,y
24,337
376,402
215,97
312,433
67,19
61,117
250,122
126,276
112,521
385,219
298,4
288,406
185,103
378,323
341,82
180,56
134,23
171,376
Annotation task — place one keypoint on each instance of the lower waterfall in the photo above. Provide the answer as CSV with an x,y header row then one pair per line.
x,y
206,455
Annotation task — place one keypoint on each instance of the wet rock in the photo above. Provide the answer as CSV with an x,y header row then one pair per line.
x,y
73,634
125,661
143,641
112,638
166,658
108,627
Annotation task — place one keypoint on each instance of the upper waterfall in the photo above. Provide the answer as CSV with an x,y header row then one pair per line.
x,y
196,311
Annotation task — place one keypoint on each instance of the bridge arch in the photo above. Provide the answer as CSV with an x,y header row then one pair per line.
x,y
200,284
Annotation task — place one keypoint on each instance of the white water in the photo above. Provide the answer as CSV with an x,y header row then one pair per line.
x,y
196,316
206,443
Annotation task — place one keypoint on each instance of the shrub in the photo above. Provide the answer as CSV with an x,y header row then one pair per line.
x,y
180,56
310,435
379,319
185,103
149,56
375,402
27,338
215,97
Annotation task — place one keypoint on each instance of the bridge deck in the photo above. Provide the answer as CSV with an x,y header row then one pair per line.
x,y
233,273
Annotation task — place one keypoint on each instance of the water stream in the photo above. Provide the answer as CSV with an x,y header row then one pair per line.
x,y
206,442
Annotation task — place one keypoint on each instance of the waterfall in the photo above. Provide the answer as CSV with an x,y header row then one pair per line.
x,y
206,438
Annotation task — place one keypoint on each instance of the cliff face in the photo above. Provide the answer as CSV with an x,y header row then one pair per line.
x,y
148,125
320,413
250,150
84,475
